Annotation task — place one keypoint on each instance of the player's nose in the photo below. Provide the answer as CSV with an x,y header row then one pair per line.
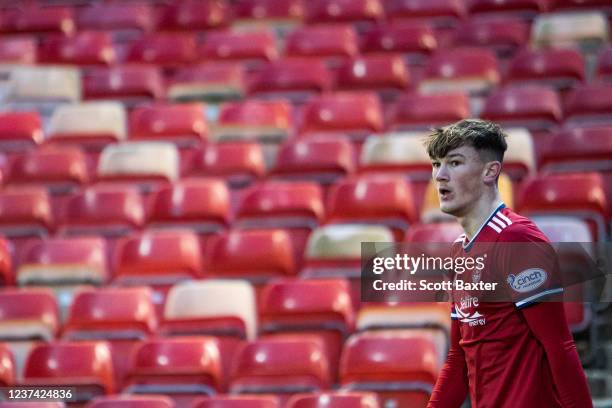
x,y
441,173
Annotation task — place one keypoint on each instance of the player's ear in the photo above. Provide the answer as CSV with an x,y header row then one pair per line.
x,y
492,171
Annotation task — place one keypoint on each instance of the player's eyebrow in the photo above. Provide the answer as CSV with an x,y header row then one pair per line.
x,y
453,155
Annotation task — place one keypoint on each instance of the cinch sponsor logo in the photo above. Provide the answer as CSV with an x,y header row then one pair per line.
x,y
527,280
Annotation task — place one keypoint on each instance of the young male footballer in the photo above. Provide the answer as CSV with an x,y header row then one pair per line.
x,y
510,349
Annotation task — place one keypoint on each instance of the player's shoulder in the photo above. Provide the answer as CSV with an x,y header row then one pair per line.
x,y
514,227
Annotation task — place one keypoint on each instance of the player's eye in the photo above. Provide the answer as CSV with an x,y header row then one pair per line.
x,y
435,164
455,163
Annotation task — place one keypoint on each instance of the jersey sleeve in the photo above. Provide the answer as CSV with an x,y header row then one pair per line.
x,y
527,265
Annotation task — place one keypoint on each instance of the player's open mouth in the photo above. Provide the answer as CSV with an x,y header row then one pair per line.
x,y
444,193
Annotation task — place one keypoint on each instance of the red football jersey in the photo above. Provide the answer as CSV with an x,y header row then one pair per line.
x,y
506,365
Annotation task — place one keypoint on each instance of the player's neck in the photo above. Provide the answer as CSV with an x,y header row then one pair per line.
x,y
478,214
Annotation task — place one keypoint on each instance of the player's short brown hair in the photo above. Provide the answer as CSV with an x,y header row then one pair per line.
x,y
486,137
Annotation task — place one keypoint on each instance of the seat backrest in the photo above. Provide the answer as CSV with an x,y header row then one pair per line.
x,y
28,314
25,211
131,401
20,131
334,399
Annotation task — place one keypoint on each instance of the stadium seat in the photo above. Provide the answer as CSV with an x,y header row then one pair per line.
x,y
24,404
157,258
535,107
297,79
6,263
356,114
589,105
212,82
252,48
237,401
25,212
332,43
415,111
60,170
414,41
18,50
108,210
559,68
589,30
7,369
281,365
357,12
194,16
168,50
38,20
439,12
503,35
526,9
238,163
89,125
373,200
129,84
323,160
254,120
137,17
578,149
121,316
579,195
146,164
20,131
84,49
254,254
202,205
87,366
131,401
183,124
334,399
471,70
604,65
400,365
387,74
283,16
183,368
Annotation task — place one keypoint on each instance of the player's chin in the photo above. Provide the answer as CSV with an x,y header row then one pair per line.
x,y
448,208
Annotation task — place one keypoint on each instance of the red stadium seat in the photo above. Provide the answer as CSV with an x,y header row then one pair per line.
x,y
578,149
85,48
202,205
385,73
7,368
604,65
401,365
334,399
38,20
64,261
116,16
60,170
330,42
589,104
157,257
373,200
296,79
193,15
87,366
331,11
183,124
126,83
210,82
263,121
122,316
442,12
25,212
6,264
168,50
131,401
181,367
281,365
28,314
19,131
472,70
238,401
239,163
504,35
560,68
524,8
108,210
353,114
32,404
414,41
535,107
422,112
578,195
18,50
253,254
269,9
252,48
579,4
323,160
